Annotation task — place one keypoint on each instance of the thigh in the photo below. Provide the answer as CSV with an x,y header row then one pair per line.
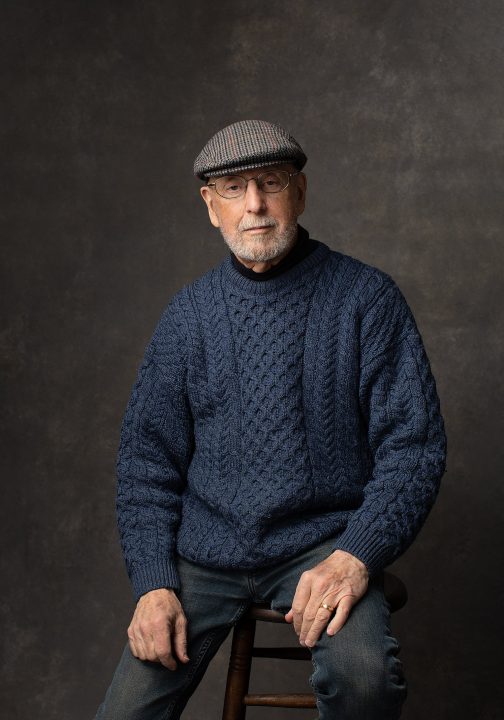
x,y
357,673
142,690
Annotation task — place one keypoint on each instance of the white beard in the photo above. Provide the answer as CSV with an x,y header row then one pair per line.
x,y
261,248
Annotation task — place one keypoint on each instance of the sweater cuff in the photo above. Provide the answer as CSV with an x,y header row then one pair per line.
x,y
154,575
368,547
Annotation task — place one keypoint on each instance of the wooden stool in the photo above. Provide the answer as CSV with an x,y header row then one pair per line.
x,y
237,698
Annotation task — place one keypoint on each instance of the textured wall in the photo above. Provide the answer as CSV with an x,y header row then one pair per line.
x,y
399,106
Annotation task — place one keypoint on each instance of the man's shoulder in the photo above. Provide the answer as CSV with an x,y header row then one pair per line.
x,y
367,280
198,283
179,307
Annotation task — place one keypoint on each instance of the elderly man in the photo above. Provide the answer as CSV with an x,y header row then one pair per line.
x,y
283,443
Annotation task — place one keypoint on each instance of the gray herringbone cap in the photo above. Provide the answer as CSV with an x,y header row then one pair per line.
x,y
247,144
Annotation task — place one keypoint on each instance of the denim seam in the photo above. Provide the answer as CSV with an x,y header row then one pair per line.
x,y
251,580
312,683
190,676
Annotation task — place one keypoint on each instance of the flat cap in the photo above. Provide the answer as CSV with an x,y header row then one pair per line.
x,y
247,144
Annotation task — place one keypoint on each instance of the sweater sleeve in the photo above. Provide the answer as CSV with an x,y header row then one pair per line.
x,y
154,453
405,431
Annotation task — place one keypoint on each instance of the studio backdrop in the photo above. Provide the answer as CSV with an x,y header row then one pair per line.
x,y
398,106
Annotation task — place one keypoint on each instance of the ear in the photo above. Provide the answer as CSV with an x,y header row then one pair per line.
x,y
209,198
300,189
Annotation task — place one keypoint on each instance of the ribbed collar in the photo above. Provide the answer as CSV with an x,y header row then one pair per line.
x,y
250,287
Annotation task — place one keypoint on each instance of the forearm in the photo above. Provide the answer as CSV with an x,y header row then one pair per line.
x,y
406,438
154,454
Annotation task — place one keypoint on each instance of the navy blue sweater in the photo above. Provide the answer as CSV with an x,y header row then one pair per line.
x,y
269,416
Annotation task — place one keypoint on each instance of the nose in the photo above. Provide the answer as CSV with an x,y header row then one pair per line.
x,y
255,201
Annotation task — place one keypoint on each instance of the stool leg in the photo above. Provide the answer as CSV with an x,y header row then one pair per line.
x,y
240,661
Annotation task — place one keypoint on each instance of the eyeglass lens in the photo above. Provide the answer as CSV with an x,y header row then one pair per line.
x,y
232,186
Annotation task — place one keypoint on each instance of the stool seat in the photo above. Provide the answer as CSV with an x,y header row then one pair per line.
x,y
237,697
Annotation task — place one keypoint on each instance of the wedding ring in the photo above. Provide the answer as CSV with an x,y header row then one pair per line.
x,y
326,607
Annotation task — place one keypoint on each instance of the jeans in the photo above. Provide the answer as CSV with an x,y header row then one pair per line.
x,y
356,673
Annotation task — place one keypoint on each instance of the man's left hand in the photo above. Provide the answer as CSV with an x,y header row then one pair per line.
x,y
339,581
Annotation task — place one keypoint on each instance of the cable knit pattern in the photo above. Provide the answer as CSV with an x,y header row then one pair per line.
x,y
270,416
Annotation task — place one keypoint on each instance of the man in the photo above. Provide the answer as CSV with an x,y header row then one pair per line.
x,y
283,443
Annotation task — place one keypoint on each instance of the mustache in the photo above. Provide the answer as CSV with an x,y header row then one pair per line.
x,y
264,222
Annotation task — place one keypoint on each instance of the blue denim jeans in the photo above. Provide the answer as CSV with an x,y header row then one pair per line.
x,y
356,673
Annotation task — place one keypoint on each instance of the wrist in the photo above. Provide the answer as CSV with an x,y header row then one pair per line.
x,y
157,593
343,555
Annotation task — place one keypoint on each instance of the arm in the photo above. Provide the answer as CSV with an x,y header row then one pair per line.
x,y
405,430
406,437
154,453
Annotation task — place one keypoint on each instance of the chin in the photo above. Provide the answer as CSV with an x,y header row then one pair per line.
x,y
260,248
259,255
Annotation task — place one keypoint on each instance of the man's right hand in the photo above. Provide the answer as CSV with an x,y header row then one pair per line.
x,y
157,631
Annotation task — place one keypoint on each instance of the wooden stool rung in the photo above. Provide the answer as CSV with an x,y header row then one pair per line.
x,y
292,700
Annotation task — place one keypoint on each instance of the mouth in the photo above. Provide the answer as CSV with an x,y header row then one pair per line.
x,y
259,229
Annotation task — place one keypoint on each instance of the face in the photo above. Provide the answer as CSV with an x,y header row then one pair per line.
x,y
258,226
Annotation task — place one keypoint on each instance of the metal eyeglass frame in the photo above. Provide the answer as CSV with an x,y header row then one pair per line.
x,y
268,192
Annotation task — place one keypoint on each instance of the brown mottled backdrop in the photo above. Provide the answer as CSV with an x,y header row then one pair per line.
x,y
399,106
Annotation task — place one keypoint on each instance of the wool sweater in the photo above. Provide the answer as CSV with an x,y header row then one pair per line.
x,y
267,417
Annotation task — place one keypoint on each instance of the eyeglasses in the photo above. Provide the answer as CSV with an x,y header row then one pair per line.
x,y
234,186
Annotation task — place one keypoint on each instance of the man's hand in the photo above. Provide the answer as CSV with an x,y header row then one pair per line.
x,y
157,631
339,581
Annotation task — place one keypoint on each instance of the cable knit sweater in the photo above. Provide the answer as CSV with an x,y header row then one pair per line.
x,y
267,417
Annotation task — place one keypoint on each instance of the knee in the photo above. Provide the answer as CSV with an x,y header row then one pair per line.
x,y
360,678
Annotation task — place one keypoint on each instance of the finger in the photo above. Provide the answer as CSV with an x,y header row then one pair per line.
x,y
180,639
342,613
307,621
289,616
149,634
313,611
142,645
133,647
135,642
136,647
164,652
313,625
301,599
161,645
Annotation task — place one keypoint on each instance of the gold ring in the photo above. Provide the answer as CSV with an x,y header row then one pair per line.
x,y
326,607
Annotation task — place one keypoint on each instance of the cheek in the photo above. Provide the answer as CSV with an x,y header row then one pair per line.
x,y
228,217
288,213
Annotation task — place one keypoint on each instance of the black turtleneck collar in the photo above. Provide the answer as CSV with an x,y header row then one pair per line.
x,y
303,246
